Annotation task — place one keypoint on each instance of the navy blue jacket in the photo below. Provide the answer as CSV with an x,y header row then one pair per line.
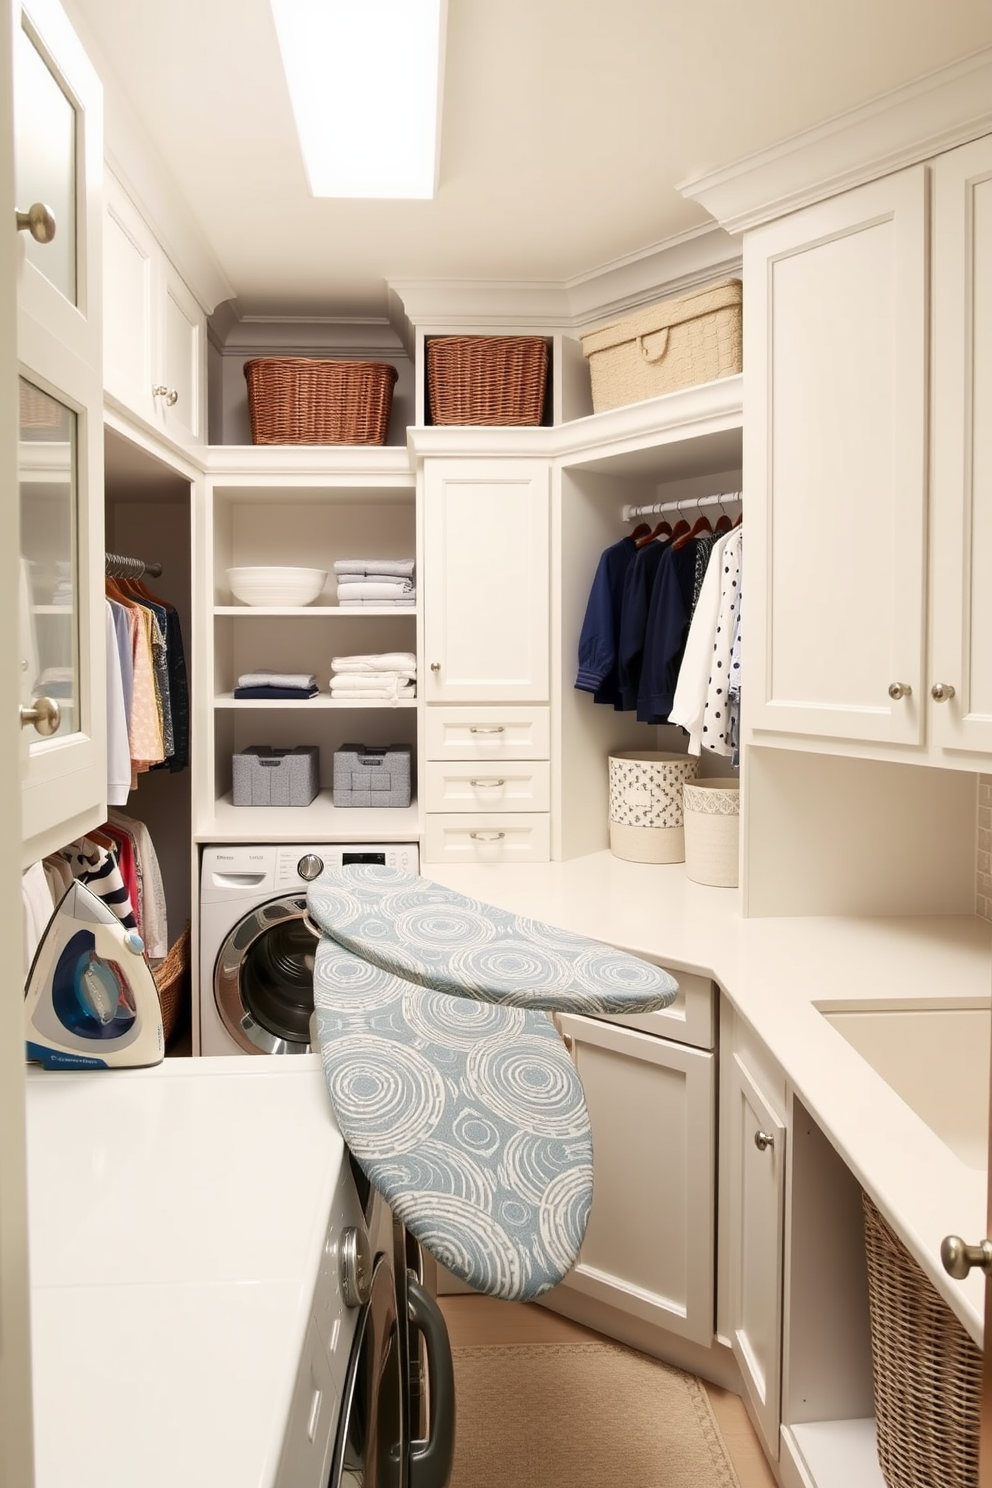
x,y
600,634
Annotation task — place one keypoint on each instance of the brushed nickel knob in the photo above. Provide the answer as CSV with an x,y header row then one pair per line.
x,y
38,221
45,714
310,867
899,690
958,1258
941,692
763,1141
169,394
356,1267
435,666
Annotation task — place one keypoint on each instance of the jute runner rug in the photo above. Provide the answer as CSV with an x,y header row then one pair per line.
x,y
585,1415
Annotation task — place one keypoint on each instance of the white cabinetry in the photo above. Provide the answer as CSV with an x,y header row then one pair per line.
x,y
58,136
300,508
649,1246
846,586
154,330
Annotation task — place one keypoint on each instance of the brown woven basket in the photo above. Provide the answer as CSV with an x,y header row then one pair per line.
x,y
299,400
927,1371
172,981
487,379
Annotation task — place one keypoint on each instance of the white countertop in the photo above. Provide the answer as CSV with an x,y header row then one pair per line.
x,y
775,972
177,1219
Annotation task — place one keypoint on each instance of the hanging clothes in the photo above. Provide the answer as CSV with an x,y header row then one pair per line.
x,y
599,639
118,742
154,684
665,631
96,866
150,903
635,604
704,704
720,716
38,907
689,702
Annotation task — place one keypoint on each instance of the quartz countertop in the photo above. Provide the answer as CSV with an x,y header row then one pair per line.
x,y
776,972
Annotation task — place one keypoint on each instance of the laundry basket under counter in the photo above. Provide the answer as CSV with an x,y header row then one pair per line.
x,y
646,822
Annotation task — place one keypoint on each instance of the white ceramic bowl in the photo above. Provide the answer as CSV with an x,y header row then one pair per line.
x,y
276,586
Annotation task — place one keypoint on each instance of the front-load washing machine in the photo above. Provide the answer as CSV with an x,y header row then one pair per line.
x,y
256,950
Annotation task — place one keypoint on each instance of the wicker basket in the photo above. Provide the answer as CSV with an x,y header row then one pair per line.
x,y
172,981
927,1371
487,379
299,400
667,346
712,831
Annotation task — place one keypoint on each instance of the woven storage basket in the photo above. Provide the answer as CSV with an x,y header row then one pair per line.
x,y
927,1371
299,400
172,981
667,346
646,805
712,831
487,379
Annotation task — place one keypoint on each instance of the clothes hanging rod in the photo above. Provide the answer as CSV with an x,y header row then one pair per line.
x,y
117,566
629,512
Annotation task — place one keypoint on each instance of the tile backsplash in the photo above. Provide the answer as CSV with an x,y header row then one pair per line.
x,y
983,875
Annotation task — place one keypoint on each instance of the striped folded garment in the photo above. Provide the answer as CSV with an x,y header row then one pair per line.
x,y
386,661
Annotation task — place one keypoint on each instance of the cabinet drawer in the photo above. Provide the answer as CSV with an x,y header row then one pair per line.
x,y
499,838
691,1019
488,733
488,786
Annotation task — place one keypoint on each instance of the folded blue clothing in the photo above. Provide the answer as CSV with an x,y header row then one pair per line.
x,y
261,693
469,1119
441,939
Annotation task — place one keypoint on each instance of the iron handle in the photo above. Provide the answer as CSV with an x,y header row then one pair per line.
x,y
435,666
487,836
170,395
38,221
489,784
899,690
941,692
762,1140
45,714
959,1258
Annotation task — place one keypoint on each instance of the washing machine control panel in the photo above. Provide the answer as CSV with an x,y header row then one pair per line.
x,y
297,865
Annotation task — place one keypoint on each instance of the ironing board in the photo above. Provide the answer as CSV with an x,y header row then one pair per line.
x,y
449,1082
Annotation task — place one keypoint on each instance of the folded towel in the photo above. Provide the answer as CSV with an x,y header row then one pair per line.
x,y
266,678
401,566
407,601
387,694
403,582
356,681
386,661
269,694
354,586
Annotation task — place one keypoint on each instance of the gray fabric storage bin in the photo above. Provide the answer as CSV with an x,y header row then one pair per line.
x,y
264,776
368,776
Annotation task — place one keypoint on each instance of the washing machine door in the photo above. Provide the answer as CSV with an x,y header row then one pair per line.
x,y
370,1451
263,978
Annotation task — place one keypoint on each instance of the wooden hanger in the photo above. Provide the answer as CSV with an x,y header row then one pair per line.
x,y
723,522
663,529
641,530
701,525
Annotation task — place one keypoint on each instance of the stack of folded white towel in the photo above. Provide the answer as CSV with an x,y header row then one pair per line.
x,y
375,581
388,677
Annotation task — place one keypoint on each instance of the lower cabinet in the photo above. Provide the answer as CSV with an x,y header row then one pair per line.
x,y
649,1246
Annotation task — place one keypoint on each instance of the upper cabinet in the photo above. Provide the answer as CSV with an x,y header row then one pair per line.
x,y
58,137
866,614
155,331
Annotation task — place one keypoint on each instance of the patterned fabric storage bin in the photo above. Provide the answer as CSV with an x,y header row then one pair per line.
x,y
264,776
712,831
667,346
367,776
646,805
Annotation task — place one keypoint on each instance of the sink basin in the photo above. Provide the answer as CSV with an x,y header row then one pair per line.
x,y
935,1059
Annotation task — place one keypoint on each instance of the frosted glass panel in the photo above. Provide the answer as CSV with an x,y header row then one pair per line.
x,y
45,163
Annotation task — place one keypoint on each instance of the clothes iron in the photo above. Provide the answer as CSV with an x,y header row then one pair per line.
x,y
91,1000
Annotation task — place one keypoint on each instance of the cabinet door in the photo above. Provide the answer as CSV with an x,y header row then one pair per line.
x,y
835,387
130,273
62,611
755,1221
961,500
648,1248
183,330
486,581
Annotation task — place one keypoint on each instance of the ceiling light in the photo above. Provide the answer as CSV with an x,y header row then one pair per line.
x,y
364,80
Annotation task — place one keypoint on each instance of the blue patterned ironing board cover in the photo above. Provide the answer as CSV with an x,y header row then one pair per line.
x,y
449,1082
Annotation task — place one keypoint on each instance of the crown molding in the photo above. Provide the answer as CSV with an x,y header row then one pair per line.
x,y
673,268
935,113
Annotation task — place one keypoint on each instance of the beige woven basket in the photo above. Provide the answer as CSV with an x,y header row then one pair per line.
x,y
172,981
712,831
667,346
300,400
646,805
927,1371
494,380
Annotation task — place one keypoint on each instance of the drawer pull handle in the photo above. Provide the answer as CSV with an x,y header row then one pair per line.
x,y
496,728
489,784
763,1141
487,836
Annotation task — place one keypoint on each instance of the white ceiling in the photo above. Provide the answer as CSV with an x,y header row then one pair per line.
x,y
567,126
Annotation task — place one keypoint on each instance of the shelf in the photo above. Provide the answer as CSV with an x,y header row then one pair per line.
x,y
321,821
52,609
318,612
838,1454
309,705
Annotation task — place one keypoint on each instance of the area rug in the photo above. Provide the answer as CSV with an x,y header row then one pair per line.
x,y
589,1415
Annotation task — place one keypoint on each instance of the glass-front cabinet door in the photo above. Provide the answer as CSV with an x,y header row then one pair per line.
x,y
61,603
